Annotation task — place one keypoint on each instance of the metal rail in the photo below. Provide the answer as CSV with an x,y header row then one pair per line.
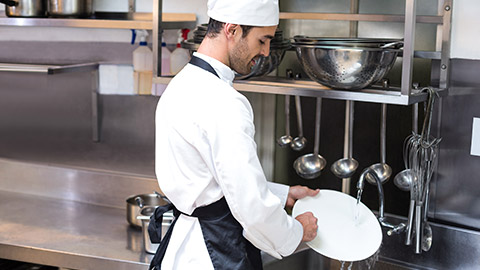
x,y
357,17
47,69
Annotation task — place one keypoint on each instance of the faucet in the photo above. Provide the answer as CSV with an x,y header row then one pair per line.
x,y
360,185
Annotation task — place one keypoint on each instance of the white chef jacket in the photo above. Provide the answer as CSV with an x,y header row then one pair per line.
x,y
204,151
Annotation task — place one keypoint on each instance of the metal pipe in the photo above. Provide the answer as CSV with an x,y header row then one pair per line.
x,y
157,37
354,8
393,229
348,140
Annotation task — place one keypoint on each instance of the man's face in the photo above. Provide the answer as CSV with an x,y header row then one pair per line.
x,y
246,51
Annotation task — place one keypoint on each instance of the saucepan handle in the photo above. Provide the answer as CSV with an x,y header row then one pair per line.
x,y
10,3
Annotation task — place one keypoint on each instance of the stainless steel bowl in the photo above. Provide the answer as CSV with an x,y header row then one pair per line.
x,y
348,68
263,66
267,64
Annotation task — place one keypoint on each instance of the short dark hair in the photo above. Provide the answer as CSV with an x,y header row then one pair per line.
x,y
215,27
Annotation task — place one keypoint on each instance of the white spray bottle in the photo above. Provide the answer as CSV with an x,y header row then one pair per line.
x,y
180,56
142,66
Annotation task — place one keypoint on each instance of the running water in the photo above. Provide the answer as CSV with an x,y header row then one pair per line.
x,y
366,264
342,267
356,214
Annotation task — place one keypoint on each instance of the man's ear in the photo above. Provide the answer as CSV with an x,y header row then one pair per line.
x,y
231,30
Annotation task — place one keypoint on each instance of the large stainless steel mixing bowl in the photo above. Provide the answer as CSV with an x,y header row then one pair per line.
x,y
348,68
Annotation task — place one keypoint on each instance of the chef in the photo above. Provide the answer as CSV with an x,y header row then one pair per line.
x,y
206,157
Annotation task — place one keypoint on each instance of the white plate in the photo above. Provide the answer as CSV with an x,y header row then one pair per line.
x,y
339,235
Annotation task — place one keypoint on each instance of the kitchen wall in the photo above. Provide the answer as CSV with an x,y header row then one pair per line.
x,y
47,119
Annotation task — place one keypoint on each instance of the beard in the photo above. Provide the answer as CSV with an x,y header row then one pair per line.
x,y
240,61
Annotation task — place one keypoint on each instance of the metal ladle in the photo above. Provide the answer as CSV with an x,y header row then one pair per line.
x,y
407,181
382,170
310,166
346,167
286,139
299,142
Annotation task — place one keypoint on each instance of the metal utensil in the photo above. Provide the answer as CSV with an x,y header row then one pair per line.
x,y
286,139
422,158
406,181
382,169
427,238
346,167
310,166
300,141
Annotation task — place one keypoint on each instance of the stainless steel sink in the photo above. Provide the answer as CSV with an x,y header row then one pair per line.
x,y
308,259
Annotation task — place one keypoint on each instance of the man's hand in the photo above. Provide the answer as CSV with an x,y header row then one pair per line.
x,y
309,223
298,192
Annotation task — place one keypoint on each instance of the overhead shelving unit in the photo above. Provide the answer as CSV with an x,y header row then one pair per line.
x,y
405,95
107,20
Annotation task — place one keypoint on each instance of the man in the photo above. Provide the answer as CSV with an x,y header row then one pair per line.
x,y
206,159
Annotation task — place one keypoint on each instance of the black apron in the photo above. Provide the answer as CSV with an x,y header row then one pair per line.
x,y
222,233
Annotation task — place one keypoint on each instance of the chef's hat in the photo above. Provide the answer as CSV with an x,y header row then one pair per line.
x,y
244,12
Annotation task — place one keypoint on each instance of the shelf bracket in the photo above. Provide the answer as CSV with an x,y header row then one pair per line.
x,y
446,35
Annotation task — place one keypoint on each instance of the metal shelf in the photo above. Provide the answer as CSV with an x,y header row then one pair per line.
x,y
108,20
357,17
47,69
404,95
307,88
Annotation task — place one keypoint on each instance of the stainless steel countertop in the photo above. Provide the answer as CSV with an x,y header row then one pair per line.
x,y
68,234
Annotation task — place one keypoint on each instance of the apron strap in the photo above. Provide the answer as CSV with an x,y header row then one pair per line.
x,y
199,62
155,233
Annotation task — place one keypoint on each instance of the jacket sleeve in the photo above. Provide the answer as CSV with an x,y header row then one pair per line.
x,y
279,190
235,166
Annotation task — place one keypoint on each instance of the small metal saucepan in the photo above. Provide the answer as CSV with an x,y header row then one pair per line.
x,y
25,8
70,8
136,203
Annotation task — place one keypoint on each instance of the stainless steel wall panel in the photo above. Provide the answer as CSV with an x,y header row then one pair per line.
x,y
83,185
457,196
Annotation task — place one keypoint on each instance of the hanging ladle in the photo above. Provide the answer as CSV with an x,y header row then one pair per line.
x,y
346,167
310,166
382,170
286,139
299,142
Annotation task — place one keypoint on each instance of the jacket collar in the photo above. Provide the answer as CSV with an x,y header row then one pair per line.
x,y
224,72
